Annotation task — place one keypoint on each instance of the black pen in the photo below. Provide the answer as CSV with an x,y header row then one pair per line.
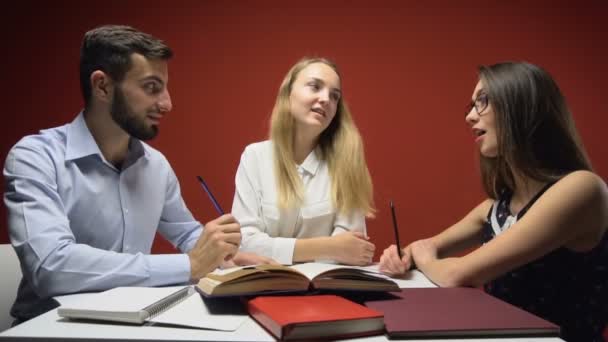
x,y
211,197
396,230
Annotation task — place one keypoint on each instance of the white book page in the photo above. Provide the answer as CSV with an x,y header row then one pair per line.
x,y
313,269
413,278
195,313
373,269
224,271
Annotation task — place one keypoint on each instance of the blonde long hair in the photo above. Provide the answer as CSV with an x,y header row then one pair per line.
x,y
340,145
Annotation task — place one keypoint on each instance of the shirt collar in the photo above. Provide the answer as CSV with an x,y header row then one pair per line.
x,y
80,143
311,163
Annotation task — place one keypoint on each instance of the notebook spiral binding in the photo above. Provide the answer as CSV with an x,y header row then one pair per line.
x,y
168,302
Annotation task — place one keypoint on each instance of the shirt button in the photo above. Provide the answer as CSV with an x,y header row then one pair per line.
x,y
126,211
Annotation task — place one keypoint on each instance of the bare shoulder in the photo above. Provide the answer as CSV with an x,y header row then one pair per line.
x,y
582,176
581,198
583,186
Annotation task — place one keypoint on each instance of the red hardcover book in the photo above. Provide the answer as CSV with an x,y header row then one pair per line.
x,y
314,317
454,312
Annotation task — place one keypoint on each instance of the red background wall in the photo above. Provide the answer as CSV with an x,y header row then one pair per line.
x,y
408,70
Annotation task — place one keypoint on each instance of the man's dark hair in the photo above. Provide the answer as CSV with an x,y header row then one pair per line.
x,y
109,49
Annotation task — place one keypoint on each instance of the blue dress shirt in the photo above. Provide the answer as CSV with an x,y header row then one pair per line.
x,y
80,224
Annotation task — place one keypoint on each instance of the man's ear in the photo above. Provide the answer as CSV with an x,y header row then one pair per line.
x,y
101,86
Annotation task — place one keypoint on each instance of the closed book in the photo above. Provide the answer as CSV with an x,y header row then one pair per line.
x,y
314,317
180,306
262,279
457,312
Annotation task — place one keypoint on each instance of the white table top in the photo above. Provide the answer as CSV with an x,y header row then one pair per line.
x,y
50,326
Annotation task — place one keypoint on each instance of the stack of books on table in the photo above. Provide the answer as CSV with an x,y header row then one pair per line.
x,y
304,314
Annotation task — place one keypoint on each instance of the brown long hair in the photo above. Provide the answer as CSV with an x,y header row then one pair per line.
x,y
535,130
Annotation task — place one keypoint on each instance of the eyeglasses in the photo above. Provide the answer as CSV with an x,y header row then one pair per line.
x,y
480,104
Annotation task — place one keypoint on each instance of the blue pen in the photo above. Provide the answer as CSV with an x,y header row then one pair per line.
x,y
211,197
396,230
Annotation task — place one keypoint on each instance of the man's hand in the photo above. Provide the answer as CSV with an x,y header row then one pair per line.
x,y
352,248
219,241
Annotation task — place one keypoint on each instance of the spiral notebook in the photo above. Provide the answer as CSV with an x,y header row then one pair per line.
x,y
181,306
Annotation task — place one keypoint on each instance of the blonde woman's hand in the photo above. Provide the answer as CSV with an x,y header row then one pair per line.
x,y
352,248
392,265
247,258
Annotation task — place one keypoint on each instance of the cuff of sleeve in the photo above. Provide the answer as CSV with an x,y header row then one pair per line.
x,y
339,230
192,242
282,250
168,269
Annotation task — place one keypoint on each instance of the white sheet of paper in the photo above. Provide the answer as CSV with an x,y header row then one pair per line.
x,y
193,312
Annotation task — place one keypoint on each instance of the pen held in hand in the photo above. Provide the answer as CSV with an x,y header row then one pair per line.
x,y
396,230
211,197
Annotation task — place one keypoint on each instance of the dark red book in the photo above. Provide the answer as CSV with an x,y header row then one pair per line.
x,y
314,317
457,312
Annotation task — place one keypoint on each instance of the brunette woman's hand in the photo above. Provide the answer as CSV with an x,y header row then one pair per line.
x,y
423,251
391,264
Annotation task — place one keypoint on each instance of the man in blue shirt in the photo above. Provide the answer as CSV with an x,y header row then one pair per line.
x,y
86,199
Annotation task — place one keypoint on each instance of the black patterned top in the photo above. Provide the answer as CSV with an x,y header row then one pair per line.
x,y
565,287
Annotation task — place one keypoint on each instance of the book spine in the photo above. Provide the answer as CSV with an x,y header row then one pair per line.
x,y
266,322
168,302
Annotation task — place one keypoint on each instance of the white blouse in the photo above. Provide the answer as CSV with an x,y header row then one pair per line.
x,y
272,232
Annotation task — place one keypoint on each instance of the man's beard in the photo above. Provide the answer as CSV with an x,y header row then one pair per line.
x,y
124,116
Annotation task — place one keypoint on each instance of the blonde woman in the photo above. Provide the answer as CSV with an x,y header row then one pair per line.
x,y
303,195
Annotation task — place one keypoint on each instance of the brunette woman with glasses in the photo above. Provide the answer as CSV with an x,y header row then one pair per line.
x,y
541,233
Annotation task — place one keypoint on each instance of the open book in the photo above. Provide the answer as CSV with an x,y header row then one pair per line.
x,y
254,280
180,306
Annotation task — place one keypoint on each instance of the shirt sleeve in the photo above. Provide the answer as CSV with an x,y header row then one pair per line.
x,y
51,259
351,222
177,224
246,208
